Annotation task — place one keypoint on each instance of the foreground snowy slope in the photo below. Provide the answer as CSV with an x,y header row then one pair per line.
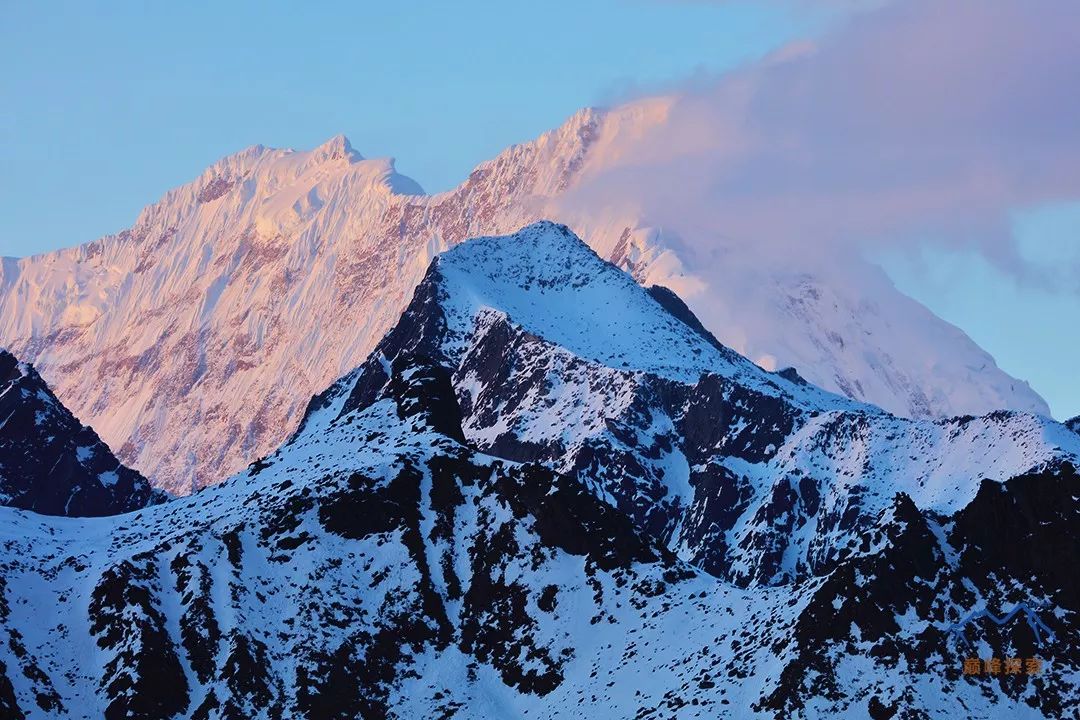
x,y
706,537
190,339
376,566
50,462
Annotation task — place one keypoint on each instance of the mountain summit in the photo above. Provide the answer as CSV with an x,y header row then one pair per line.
x,y
336,148
189,339
754,476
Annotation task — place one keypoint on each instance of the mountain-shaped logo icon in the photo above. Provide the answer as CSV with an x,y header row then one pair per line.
x,y
1039,629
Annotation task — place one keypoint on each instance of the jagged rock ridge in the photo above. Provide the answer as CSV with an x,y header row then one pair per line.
x,y
50,462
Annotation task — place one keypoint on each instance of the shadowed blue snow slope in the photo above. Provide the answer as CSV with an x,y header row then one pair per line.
x,y
377,567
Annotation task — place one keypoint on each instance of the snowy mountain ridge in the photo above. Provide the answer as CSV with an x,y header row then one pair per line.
x,y
546,281
277,271
703,449
379,563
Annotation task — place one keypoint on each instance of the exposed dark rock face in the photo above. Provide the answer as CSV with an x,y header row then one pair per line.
x,y
51,463
431,551
142,677
926,601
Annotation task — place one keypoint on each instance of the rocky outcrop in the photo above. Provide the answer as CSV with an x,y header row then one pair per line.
x,y
53,464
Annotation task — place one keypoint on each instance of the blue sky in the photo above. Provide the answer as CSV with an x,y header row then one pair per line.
x,y
103,108
112,104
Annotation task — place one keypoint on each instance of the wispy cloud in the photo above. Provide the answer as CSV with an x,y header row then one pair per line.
x,y
916,119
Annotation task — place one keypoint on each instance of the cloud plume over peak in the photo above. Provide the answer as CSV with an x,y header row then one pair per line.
x,y
915,120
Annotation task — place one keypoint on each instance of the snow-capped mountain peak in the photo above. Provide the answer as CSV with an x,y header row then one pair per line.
x,y
550,283
276,271
545,370
336,148
546,281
